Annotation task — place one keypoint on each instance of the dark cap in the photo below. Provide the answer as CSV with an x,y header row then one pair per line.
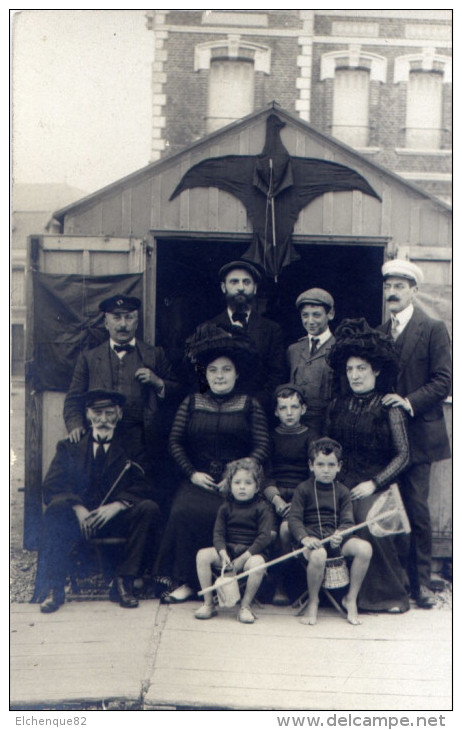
x,y
102,398
121,302
246,265
289,386
315,296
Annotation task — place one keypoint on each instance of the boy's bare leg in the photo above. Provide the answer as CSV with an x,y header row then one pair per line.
x,y
361,552
204,560
314,577
253,581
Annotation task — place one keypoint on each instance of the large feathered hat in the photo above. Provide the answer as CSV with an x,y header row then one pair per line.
x,y
211,341
355,338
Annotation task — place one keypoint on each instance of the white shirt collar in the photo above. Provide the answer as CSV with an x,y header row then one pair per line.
x,y
323,337
230,315
112,343
404,316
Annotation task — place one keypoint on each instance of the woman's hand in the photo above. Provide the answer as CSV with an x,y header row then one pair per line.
x,y
364,489
282,508
201,479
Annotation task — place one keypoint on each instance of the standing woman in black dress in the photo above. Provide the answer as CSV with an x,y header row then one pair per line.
x,y
375,448
212,427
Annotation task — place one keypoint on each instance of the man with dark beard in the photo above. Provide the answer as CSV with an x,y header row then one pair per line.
x,y
239,281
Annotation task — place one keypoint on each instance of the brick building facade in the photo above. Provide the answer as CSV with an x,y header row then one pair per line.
x,y
379,80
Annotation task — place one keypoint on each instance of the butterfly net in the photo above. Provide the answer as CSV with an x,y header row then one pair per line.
x,y
387,516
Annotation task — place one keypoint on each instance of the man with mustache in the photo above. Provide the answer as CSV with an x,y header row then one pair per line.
x,y
239,281
97,487
125,364
424,381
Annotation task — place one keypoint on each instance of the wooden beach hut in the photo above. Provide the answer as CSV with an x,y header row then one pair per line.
x,y
131,233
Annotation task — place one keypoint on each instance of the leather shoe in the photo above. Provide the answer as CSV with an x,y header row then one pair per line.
x,y
122,593
280,598
53,601
425,598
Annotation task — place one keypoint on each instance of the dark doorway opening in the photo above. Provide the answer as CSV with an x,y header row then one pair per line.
x,y
188,289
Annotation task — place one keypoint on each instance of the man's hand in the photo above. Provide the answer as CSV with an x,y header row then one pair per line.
x,y
336,539
241,561
201,479
76,434
101,516
82,513
364,489
148,377
394,400
281,507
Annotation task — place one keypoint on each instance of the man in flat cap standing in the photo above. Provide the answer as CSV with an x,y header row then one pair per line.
x,y
239,281
424,381
97,487
129,366
307,357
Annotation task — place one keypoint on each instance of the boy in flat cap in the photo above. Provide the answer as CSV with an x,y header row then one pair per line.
x,y
307,357
424,381
129,366
97,487
239,281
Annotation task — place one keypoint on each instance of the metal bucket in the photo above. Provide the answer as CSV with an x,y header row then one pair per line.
x,y
336,574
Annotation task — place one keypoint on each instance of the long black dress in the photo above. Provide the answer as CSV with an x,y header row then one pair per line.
x,y
375,446
208,432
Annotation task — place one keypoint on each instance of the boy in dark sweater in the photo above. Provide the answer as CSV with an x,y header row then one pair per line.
x,y
288,467
241,535
321,507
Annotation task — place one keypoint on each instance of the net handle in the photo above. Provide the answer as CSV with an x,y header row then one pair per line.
x,y
294,553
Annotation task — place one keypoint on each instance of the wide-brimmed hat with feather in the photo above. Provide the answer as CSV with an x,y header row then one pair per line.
x,y
211,341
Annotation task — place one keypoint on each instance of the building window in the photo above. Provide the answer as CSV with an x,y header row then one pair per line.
x,y
231,91
350,117
424,110
18,288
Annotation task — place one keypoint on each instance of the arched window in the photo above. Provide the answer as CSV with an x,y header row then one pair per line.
x,y
424,110
350,116
231,91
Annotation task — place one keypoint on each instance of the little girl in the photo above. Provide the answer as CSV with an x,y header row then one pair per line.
x,y
241,534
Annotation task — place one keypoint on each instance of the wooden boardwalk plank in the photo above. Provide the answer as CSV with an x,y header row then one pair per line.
x,y
90,651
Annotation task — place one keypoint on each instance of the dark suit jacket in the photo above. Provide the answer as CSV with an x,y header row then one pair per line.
x,y
266,336
69,475
311,372
93,370
424,378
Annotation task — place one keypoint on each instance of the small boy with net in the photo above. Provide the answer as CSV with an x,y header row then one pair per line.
x,y
320,508
241,536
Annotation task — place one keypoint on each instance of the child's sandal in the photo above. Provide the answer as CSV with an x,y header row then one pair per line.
x,y
205,612
245,616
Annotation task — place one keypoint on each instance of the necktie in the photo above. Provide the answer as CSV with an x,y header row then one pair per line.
x,y
394,326
99,459
240,317
124,348
314,345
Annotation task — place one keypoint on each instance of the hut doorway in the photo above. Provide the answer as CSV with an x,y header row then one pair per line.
x,y
188,291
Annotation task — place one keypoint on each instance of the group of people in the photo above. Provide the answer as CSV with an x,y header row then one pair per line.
x,y
270,451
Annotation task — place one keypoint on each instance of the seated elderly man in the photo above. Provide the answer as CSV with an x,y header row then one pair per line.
x,y
97,488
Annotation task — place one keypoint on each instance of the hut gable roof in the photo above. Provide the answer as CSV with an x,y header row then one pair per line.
x,y
202,148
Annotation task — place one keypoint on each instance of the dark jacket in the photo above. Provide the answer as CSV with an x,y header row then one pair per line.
x,y
69,475
93,370
424,378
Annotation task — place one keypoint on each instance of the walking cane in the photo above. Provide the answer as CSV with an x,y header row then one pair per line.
x,y
128,465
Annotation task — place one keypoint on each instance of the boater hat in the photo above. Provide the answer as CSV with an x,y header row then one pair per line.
x,y
403,269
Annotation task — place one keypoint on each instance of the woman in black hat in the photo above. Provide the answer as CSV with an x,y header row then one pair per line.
x,y
375,447
211,428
